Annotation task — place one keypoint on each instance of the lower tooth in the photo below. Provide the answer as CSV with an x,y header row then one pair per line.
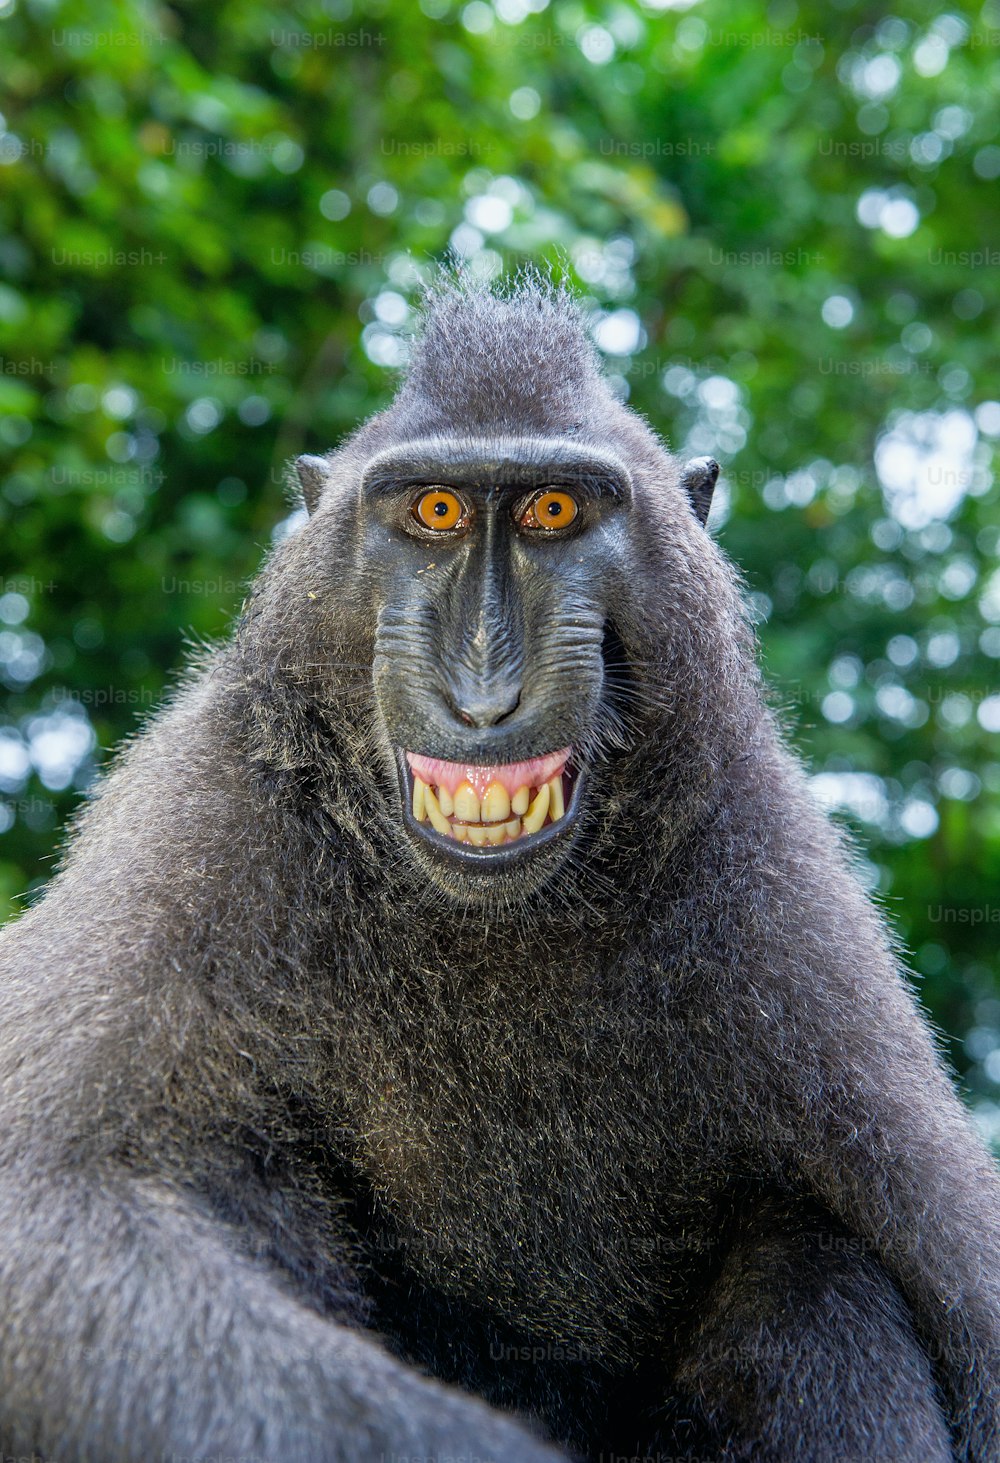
x,y
556,805
494,832
535,816
477,834
460,832
439,822
513,828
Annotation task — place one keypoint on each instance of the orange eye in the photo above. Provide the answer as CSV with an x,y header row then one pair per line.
x,y
440,509
551,509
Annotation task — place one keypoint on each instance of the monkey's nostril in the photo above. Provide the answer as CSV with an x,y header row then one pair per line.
x,y
511,707
488,709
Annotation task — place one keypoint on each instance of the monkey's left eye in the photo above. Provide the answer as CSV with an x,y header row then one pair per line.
x,y
438,508
549,509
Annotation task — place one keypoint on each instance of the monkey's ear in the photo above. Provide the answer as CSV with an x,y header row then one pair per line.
x,y
698,481
313,474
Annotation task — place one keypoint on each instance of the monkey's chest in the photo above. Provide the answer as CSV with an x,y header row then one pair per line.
x,y
544,1202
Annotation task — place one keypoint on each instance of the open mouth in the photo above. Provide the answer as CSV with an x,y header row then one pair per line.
x,y
482,809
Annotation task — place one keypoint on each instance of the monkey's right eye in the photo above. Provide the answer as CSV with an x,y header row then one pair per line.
x,y
440,509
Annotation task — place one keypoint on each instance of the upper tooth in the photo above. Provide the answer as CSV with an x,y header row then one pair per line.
x,y
419,807
496,804
466,803
446,801
535,816
439,822
519,802
556,807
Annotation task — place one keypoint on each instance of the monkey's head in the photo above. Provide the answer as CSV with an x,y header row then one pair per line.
x,y
522,576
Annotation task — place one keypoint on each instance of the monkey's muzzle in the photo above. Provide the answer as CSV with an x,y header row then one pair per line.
x,y
489,811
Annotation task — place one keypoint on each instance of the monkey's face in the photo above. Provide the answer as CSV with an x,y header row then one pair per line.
x,y
494,568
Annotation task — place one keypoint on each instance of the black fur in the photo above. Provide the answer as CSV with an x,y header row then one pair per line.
x,y
307,1135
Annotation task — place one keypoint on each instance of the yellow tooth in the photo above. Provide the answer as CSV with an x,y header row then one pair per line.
x,y
466,803
535,816
439,822
494,832
445,801
513,828
556,805
419,806
496,803
460,832
519,802
477,834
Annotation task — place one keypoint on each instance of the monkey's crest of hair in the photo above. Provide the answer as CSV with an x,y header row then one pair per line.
x,y
511,356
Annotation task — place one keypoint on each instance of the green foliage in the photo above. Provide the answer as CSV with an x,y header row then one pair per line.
x,y
213,225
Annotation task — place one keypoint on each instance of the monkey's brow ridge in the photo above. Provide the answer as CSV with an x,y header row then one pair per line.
x,y
526,462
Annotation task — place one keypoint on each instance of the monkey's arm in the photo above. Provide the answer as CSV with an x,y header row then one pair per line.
x,y
128,1331
803,1350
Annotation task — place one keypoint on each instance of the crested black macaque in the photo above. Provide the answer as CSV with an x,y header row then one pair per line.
x,y
454,1032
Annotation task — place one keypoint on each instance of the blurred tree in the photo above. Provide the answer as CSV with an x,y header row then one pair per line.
x,y
213,226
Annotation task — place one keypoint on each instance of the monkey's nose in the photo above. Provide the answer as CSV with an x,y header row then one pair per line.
x,y
485,706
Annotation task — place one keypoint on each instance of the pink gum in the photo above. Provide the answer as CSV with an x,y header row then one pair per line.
x,y
511,775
